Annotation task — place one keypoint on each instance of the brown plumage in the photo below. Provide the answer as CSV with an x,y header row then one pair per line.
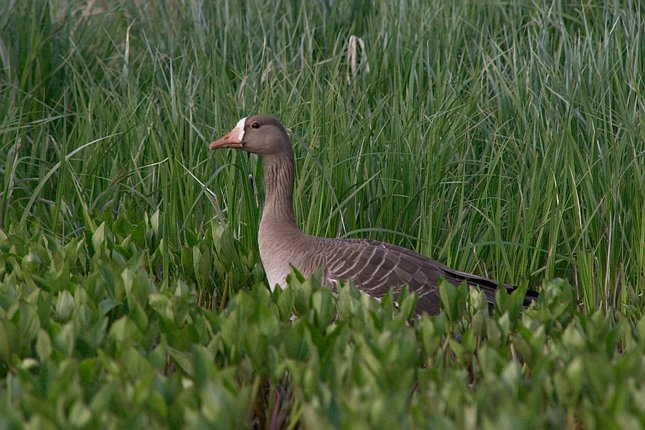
x,y
374,267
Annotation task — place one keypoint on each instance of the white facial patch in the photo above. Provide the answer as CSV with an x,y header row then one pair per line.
x,y
240,129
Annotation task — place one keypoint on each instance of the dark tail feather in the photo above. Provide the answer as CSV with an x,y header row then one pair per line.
x,y
530,296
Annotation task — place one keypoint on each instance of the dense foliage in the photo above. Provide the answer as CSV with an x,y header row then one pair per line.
x,y
88,339
503,138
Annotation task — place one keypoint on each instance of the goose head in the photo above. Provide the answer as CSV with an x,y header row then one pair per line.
x,y
258,134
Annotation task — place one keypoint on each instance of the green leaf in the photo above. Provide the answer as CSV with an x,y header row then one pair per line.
x,y
79,414
162,305
202,266
407,303
65,339
64,306
323,306
154,222
43,346
99,237
7,339
453,300
429,336
135,364
125,332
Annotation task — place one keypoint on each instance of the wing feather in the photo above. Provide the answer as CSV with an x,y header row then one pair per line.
x,y
376,267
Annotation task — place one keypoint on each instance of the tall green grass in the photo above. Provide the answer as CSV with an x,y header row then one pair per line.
x,y
504,138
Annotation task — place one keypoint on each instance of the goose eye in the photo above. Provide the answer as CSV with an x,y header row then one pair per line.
x,y
255,124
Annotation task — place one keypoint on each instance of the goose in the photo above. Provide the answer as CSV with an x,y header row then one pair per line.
x,y
374,267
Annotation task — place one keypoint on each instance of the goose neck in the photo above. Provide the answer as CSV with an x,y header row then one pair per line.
x,y
278,182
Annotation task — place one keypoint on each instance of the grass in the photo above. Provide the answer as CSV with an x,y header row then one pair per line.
x,y
503,138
